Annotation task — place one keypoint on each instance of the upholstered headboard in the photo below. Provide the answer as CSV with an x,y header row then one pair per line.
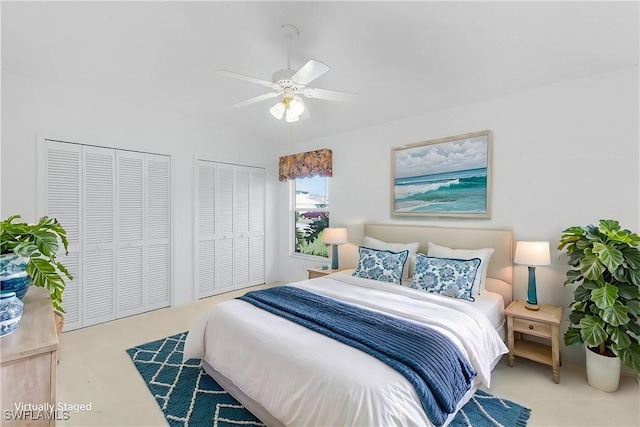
x,y
501,239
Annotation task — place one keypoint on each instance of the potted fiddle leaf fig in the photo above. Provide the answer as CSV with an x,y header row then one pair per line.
x,y
604,262
33,248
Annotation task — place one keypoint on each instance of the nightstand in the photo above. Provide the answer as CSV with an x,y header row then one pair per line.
x,y
544,323
318,272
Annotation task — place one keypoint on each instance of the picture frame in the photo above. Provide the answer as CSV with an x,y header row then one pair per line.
x,y
446,177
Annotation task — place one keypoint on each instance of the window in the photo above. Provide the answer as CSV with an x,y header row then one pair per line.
x,y
310,214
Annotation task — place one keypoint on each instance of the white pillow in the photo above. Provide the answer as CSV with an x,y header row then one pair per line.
x,y
412,247
484,255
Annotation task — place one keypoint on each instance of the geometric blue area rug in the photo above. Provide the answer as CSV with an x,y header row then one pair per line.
x,y
188,396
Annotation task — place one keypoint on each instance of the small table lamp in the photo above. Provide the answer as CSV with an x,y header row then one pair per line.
x,y
335,237
532,254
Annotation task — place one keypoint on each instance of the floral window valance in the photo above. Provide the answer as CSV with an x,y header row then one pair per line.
x,y
303,165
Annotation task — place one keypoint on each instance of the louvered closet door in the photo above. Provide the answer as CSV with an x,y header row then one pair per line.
x,y
130,247
224,235
205,267
241,227
257,219
63,164
98,235
158,213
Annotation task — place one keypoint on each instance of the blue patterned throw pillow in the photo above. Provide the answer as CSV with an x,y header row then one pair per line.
x,y
385,266
446,276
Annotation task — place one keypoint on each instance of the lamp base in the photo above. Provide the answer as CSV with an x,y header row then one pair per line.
x,y
334,257
531,306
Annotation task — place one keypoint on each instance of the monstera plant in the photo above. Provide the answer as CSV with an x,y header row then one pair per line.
x,y
605,265
38,244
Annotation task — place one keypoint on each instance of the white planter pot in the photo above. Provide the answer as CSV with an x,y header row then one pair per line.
x,y
603,372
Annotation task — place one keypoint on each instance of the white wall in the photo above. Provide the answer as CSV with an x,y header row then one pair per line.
x,y
563,155
33,107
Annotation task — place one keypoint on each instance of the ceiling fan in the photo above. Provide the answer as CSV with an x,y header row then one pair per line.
x,y
290,84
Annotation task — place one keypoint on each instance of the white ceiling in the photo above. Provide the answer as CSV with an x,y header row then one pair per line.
x,y
405,58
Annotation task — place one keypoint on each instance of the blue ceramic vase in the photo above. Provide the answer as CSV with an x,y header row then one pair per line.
x,y
11,309
13,274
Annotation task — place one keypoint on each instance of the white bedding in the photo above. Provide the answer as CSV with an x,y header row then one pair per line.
x,y
304,378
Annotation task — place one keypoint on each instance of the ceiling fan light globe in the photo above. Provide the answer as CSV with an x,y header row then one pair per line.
x,y
291,116
277,110
296,106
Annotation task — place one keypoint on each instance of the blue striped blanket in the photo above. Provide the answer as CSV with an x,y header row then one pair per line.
x,y
429,360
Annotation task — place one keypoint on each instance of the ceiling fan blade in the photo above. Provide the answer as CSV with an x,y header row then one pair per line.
x,y
243,77
330,95
310,71
255,99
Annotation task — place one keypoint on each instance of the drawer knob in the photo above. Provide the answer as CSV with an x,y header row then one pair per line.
x,y
530,326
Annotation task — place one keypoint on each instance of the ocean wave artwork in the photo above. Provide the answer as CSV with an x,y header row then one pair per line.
x,y
443,177
460,191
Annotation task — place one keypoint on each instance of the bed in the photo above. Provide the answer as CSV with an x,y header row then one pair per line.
x,y
287,374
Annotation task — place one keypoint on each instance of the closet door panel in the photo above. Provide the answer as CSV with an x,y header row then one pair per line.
x,y
158,215
241,262
98,235
225,228
241,226
131,236
98,289
257,260
224,202
159,283
63,201
206,270
224,263
205,259
130,280
257,219
158,197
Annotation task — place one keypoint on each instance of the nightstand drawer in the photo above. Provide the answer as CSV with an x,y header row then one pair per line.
x,y
532,327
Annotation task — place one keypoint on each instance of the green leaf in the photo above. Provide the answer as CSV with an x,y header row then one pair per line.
x,y
582,294
570,236
633,276
576,316
609,226
590,266
47,242
619,337
44,275
572,336
608,255
634,306
634,327
631,256
630,356
604,297
573,276
628,291
26,249
616,314
592,330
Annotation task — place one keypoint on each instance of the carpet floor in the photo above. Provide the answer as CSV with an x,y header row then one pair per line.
x,y
190,397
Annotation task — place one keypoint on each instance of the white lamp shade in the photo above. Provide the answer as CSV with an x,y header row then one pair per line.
x,y
292,116
532,253
296,106
335,236
277,110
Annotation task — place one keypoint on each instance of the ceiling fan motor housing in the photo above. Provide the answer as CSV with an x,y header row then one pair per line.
x,y
282,80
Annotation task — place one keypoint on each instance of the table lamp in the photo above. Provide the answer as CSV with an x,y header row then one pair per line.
x,y
334,237
532,254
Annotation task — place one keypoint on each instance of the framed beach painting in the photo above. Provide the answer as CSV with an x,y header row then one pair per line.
x,y
448,177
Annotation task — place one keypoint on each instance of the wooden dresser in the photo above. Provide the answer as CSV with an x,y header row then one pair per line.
x,y
28,358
